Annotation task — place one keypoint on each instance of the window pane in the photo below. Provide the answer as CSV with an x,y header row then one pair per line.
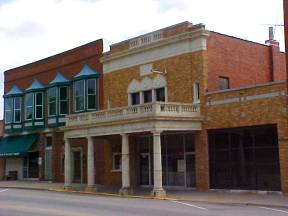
x,y
63,107
63,93
79,88
223,83
39,98
160,94
17,116
52,109
29,113
79,95
17,103
29,99
39,112
79,103
91,87
8,110
29,106
135,98
147,96
52,94
91,102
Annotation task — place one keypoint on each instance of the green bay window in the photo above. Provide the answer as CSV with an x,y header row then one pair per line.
x,y
29,101
85,84
17,110
8,110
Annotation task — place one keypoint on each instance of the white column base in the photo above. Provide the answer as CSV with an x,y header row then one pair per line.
x,y
126,191
158,193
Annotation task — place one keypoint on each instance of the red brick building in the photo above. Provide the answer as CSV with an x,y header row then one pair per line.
x,y
49,79
178,107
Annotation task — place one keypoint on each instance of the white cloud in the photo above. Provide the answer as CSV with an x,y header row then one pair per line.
x,y
33,29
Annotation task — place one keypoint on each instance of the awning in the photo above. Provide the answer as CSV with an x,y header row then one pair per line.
x,y
16,145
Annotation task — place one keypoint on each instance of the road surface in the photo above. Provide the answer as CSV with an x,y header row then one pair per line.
x,y
14,202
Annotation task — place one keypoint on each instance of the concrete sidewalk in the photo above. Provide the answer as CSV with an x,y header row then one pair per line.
x,y
217,197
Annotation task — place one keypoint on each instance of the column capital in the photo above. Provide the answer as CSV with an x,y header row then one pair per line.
x,y
124,134
156,132
89,138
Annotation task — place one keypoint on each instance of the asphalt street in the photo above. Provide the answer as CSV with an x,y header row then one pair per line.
x,y
14,202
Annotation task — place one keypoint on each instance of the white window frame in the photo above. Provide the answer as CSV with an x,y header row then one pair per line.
x,y
95,95
114,154
196,93
32,106
67,100
56,100
35,108
14,109
11,111
74,96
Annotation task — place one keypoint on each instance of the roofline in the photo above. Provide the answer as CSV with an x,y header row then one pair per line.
x,y
238,38
142,35
57,55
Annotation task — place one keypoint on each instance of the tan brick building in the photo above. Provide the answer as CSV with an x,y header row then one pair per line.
x,y
181,107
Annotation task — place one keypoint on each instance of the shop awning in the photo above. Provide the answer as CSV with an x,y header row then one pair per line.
x,y
16,145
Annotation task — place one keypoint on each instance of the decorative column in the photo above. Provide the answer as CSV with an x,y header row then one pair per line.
x,y
67,165
90,165
158,190
126,189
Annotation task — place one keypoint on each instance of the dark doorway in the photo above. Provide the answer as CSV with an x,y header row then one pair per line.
x,y
77,166
245,158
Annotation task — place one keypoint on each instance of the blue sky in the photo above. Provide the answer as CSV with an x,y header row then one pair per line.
x,y
33,29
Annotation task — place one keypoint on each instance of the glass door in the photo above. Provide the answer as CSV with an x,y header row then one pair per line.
x,y
145,172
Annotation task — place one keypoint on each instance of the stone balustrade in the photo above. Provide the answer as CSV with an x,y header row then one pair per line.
x,y
156,109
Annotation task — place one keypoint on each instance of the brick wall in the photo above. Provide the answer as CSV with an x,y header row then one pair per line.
x,y
258,111
245,63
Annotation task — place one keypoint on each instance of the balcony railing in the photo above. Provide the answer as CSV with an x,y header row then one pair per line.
x,y
157,109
